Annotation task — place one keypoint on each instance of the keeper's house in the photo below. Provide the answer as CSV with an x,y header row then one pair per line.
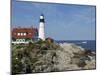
x,y
24,35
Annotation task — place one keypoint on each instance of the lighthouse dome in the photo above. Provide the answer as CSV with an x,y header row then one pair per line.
x,y
41,17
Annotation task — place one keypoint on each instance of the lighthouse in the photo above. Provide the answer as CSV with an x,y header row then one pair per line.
x,y
42,28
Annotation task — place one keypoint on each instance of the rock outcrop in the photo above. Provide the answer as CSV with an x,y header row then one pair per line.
x,y
62,57
69,57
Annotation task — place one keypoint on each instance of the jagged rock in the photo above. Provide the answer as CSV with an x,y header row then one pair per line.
x,y
72,67
71,48
66,57
90,65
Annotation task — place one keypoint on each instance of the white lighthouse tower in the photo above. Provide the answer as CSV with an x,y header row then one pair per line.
x,y
42,28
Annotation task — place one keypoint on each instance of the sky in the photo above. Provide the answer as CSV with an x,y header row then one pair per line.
x,y
62,21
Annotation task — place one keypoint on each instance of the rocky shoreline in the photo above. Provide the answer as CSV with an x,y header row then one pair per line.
x,y
69,57
56,57
80,57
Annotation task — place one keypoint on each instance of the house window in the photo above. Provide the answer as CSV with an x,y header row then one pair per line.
x,y
14,33
29,33
18,34
24,34
21,34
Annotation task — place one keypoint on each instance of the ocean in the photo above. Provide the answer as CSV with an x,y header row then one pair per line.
x,y
87,44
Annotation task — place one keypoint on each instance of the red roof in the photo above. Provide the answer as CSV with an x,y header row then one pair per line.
x,y
19,33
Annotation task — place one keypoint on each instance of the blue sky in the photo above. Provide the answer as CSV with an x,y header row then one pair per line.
x,y
63,21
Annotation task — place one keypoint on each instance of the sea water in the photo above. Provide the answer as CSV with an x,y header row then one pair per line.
x,y
87,44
